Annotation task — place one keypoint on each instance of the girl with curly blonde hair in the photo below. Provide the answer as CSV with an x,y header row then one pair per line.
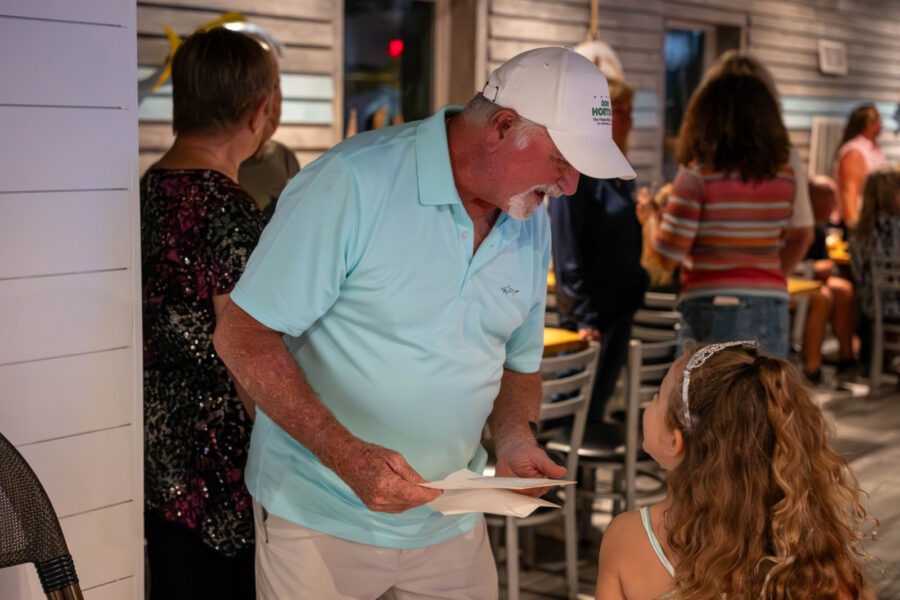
x,y
759,505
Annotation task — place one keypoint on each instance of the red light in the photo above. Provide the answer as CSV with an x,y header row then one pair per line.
x,y
395,48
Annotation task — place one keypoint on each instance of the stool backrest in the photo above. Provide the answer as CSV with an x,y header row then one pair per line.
x,y
29,528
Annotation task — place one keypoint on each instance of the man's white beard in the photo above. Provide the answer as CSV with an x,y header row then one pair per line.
x,y
522,206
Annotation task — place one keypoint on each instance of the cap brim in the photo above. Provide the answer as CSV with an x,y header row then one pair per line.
x,y
594,156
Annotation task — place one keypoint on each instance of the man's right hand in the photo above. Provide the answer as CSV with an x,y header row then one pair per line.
x,y
382,478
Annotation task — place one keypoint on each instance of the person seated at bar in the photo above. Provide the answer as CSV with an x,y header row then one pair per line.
x,y
833,302
876,234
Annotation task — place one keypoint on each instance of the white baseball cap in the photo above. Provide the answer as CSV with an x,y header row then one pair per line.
x,y
563,91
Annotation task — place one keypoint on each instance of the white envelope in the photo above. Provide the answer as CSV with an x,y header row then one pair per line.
x,y
467,491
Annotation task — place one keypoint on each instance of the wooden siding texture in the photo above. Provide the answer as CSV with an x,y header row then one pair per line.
x,y
783,34
70,358
311,67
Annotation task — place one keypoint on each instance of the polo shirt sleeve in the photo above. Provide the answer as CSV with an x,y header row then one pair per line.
x,y
305,253
681,218
526,345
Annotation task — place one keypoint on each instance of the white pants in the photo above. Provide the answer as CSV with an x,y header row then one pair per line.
x,y
295,563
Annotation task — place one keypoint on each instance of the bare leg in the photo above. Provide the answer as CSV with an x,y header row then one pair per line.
x,y
842,316
817,316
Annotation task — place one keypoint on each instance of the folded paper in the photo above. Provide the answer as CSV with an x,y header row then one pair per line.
x,y
467,491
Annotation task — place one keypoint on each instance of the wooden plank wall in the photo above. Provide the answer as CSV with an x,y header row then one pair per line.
x,y
70,360
783,34
311,68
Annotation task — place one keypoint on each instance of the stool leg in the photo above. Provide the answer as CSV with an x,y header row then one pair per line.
x,y
512,559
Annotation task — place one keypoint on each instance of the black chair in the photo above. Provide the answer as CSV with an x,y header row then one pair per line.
x,y
29,527
885,281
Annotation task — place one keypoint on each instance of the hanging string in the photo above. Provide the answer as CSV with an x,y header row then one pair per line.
x,y
594,26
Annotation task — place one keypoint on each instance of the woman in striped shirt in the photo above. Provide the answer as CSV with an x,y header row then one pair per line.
x,y
730,216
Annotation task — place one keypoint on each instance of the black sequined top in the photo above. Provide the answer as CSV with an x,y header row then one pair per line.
x,y
198,228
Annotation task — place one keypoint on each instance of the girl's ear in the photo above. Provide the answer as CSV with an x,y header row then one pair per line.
x,y
676,445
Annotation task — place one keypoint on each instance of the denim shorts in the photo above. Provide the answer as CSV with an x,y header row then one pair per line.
x,y
750,318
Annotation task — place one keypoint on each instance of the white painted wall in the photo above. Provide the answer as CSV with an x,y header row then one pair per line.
x,y
70,376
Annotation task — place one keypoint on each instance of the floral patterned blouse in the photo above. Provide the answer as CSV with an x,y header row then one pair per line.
x,y
198,228
885,241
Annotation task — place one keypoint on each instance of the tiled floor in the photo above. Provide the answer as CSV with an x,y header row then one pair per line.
x,y
867,431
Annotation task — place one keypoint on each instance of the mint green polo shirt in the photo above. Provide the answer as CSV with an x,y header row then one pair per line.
x,y
367,267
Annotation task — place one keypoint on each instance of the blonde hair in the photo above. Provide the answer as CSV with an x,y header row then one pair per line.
x,y
881,197
650,258
762,506
620,91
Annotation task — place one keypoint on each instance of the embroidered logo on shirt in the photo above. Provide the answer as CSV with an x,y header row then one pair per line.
x,y
507,290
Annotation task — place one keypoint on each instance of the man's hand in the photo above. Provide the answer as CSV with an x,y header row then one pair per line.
x,y
527,460
644,206
382,478
589,335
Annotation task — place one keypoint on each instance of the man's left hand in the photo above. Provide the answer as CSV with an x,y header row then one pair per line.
x,y
530,461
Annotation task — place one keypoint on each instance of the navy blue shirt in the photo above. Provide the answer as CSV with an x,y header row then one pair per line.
x,y
596,253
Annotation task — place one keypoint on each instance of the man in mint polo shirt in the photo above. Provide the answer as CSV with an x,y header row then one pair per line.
x,y
393,306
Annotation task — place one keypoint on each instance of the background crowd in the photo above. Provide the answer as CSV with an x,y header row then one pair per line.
x,y
364,348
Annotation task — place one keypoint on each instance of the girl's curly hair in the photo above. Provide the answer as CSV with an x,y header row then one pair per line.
x,y
762,506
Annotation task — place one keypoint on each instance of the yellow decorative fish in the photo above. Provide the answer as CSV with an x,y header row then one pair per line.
x,y
155,80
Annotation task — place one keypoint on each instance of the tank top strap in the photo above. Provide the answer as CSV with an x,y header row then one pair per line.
x,y
645,519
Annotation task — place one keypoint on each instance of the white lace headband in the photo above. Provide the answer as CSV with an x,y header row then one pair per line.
x,y
700,357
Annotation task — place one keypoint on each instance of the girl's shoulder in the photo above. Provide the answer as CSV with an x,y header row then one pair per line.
x,y
623,527
623,540
627,553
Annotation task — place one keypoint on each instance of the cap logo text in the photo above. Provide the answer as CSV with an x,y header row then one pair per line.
x,y
604,110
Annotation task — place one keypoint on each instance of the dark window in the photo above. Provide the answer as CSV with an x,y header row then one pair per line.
x,y
388,58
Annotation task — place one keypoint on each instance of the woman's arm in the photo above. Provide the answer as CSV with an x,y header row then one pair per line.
x,y
795,242
851,174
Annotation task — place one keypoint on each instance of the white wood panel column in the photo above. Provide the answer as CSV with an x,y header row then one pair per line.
x,y
70,311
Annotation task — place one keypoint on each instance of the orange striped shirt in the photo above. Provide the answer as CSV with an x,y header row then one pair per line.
x,y
727,232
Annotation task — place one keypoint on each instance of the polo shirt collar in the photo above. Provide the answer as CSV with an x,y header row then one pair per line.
x,y
435,176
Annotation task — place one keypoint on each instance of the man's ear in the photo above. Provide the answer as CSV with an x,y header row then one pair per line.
x,y
500,126
259,115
